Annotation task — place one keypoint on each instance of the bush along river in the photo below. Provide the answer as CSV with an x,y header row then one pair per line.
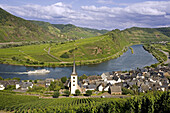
x,y
128,61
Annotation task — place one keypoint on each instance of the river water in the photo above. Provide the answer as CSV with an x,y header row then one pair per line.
x,y
128,61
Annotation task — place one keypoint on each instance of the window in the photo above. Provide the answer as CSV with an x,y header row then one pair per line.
x,y
73,77
73,84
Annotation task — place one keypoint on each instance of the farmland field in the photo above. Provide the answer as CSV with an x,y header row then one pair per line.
x,y
90,50
152,102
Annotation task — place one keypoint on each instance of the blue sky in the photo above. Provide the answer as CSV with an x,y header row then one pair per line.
x,y
99,14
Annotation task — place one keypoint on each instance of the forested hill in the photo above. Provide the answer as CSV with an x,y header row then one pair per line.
x,y
15,29
143,35
70,31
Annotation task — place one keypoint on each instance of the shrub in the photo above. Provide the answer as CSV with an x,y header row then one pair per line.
x,y
88,92
77,92
65,55
56,94
67,92
64,79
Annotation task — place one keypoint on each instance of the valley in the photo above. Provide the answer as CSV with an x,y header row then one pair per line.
x,y
37,43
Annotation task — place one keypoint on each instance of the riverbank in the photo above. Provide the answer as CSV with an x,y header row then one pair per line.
x,y
157,53
19,62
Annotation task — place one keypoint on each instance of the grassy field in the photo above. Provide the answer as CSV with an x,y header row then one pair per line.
x,y
87,51
31,54
164,47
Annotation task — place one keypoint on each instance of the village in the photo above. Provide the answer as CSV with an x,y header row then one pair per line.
x,y
109,83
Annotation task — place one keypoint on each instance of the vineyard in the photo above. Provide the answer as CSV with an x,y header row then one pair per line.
x,y
153,102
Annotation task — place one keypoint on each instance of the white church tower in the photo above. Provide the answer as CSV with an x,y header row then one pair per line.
x,y
74,85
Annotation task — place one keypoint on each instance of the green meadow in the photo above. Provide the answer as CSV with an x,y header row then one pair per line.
x,y
86,51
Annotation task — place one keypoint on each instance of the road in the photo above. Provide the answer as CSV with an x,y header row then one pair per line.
x,y
51,54
168,56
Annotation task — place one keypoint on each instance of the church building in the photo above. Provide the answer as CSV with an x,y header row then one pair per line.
x,y
74,80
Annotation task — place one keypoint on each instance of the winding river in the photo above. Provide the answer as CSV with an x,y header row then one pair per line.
x,y
128,61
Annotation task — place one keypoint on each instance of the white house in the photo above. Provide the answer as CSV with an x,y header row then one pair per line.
x,y
100,87
26,85
104,77
17,86
106,88
2,87
48,81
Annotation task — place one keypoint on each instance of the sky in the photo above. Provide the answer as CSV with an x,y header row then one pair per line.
x,y
98,14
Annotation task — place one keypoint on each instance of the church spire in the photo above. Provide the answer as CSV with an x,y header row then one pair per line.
x,y
74,68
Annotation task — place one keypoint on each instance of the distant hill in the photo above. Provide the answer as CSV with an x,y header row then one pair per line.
x,y
16,29
70,31
164,30
143,35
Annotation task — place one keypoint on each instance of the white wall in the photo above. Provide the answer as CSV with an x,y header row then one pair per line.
x,y
2,87
73,83
100,88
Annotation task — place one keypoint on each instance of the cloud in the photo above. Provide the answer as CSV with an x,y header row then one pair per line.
x,y
143,14
55,12
111,2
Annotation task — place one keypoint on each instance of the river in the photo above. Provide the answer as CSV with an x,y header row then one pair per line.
x,y
128,61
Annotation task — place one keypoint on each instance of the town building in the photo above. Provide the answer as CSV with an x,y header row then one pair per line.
x,y
74,80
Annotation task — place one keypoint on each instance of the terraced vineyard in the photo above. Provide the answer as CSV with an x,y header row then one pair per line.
x,y
24,104
152,102
87,51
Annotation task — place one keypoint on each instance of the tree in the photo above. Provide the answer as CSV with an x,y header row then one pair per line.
x,y
35,81
82,77
1,78
135,89
56,94
30,80
15,78
64,79
67,92
77,92
10,87
89,92
52,85
56,85
126,91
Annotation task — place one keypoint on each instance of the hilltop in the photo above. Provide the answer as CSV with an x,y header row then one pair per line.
x,y
70,31
145,35
16,29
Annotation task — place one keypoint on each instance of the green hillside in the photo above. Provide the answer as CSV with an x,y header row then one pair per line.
x,y
91,48
87,51
46,25
143,35
74,32
16,29
69,31
164,30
